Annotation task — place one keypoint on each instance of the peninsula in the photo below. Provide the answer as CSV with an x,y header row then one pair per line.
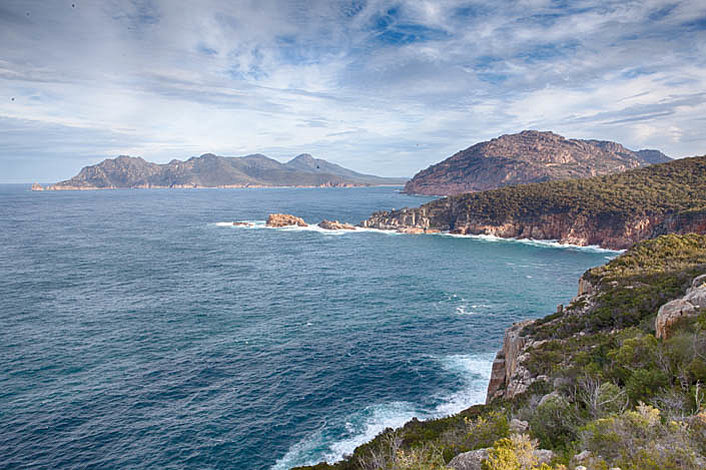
x,y
613,211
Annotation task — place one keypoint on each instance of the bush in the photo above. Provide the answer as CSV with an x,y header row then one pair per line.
x,y
645,383
515,453
640,440
554,423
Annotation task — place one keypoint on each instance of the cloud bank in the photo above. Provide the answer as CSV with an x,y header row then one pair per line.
x,y
387,87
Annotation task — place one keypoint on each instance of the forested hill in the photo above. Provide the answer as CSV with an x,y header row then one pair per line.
x,y
613,211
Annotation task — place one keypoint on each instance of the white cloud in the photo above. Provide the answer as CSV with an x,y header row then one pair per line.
x,y
380,86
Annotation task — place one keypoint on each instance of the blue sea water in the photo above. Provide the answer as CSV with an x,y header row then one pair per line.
x,y
141,330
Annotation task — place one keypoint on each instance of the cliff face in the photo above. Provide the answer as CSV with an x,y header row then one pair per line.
x,y
614,211
210,170
509,377
527,157
515,370
575,379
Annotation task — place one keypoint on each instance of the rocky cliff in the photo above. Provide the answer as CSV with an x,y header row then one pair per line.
x,y
596,384
527,157
612,211
210,170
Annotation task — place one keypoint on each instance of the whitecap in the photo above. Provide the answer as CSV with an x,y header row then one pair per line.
x,y
533,242
475,372
363,426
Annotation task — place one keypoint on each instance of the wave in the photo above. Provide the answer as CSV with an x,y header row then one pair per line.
x,y
260,224
534,242
332,443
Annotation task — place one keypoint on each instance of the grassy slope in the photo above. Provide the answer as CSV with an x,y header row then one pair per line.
x,y
602,361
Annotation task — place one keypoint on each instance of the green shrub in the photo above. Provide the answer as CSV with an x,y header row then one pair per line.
x,y
645,383
554,423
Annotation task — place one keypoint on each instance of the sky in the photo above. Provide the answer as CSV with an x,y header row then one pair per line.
x,y
384,87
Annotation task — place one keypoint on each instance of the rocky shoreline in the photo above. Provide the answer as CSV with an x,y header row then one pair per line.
x,y
613,212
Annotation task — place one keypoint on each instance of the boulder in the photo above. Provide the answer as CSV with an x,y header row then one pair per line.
x,y
242,224
543,456
469,460
519,426
335,225
473,460
284,220
671,314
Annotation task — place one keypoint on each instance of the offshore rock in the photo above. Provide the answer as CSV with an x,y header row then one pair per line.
x,y
37,187
335,225
284,220
672,314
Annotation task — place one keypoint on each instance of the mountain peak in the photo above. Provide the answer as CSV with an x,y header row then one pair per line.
x,y
209,170
529,156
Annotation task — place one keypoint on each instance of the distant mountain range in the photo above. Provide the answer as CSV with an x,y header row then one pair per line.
x,y
212,171
527,157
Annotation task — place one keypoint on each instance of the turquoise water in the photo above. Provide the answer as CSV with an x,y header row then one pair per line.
x,y
141,331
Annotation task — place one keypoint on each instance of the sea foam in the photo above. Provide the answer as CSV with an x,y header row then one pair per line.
x,y
260,224
326,444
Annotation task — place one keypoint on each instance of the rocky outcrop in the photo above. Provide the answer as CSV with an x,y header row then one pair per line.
x,y
579,231
284,220
508,376
672,314
37,187
212,171
527,157
473,460
335,225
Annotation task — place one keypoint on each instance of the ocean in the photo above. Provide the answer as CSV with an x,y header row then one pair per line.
x,y
141,329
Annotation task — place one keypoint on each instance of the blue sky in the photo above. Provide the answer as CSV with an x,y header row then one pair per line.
x,y
386,87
